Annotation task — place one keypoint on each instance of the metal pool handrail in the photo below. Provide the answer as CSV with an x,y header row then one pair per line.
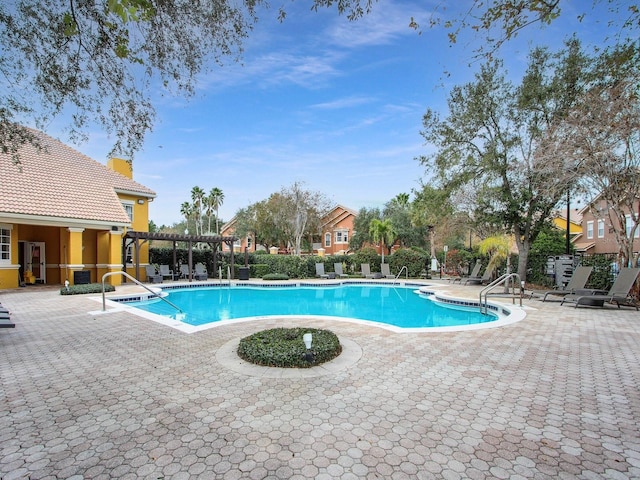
x,y
108,274
406,272
502,281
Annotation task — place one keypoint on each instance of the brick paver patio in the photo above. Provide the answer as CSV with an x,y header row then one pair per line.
x,y
118,396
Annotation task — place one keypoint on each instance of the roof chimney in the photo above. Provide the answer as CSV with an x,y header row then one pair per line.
x,y
121,166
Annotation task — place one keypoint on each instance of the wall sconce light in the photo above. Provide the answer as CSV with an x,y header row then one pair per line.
x,y
140,201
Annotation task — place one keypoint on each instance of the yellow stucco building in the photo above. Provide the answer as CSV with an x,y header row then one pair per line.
x,y
63,216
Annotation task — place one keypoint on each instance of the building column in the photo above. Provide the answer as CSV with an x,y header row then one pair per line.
x,y
72,245
110,256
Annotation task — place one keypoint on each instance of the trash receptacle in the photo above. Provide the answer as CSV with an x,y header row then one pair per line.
x,y
243,273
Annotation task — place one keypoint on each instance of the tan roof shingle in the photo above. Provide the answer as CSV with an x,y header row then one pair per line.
x,y
62,182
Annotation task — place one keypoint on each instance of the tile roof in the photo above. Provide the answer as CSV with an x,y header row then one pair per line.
x,y
62,182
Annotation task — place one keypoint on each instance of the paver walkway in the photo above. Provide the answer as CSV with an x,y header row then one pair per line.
x,y
117,396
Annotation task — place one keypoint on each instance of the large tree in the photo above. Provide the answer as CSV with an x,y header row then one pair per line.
x,y
101,60
499,21
431,211
601,135
361,234
490,142
300,212
398,212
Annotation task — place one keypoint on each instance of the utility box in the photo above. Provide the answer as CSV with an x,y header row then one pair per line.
x,y
82,277
563,269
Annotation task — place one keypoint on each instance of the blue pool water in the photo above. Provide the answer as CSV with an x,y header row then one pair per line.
x,y
392,305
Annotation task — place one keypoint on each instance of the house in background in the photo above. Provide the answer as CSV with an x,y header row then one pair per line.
x,y
559,219
337,229
63,216
597,228
248,242
336,225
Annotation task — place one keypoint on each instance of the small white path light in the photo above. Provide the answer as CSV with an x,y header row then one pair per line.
x,y
307,338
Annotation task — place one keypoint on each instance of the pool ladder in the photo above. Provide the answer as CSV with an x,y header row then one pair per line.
x,y
155,294
508,280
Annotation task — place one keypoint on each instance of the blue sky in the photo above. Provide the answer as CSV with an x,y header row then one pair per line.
x,y
317,99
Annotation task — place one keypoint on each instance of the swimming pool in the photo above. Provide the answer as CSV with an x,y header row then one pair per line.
x,y
395,306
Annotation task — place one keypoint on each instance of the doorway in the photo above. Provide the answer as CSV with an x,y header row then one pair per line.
x,y
33,260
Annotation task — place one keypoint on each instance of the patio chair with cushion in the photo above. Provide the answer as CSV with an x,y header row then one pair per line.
x,y
184,271
165,272
576,284
152,275
618,294
200,272
5,318
365,268
386,272
337,267
474,273
320,271
485,278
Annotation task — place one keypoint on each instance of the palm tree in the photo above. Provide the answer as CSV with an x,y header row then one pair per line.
x,y
186,210
498,249
402,200
214,201
382,231
197,195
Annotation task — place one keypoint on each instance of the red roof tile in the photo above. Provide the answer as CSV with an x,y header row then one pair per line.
x,y
62,182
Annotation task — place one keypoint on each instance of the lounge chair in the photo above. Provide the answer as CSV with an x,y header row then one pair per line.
x,y
337,267
320,271
366,271
165,272
576,284
618,294
152,275
200,272
386,273
485,278
474,273
5,318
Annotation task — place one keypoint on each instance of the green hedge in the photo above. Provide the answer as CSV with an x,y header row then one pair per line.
x,y
262,264
87,288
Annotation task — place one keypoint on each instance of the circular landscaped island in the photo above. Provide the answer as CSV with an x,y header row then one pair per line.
x,y
286,348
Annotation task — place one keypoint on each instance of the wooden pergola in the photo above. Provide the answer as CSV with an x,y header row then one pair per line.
x,y
137,239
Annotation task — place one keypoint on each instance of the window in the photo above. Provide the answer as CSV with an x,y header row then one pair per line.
x,y
629,224
5,244
128,207
327,239
600,228
342,236
249,242
590,229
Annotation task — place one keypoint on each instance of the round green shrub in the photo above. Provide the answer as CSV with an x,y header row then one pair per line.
x,y
284,347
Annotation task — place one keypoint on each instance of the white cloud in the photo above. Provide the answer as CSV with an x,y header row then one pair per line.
x,y
387,22
345,102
